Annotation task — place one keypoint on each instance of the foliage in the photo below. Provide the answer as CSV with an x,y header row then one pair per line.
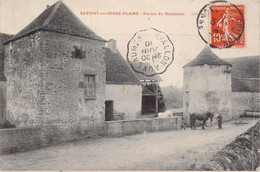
x,y
172,96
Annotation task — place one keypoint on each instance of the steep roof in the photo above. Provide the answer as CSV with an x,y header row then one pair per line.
x,y
206,56
246,84
245,67
245,73
117,69
58,18
151,78
145,77
3,38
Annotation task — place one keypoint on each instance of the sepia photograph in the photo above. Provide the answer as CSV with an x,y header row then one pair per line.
x,y
129,85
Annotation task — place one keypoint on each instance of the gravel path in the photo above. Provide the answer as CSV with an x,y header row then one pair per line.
x,y
171,150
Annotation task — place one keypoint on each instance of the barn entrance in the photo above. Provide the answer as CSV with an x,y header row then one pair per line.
x,y
152,99
148,104
109,110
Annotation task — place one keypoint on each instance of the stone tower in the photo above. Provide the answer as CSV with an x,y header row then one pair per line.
x,y
207,85
56,73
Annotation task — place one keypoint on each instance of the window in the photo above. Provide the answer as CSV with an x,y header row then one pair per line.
x,y
226,69
89,90
78,53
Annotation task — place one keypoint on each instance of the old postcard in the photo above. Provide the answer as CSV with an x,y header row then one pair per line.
x,y
129,85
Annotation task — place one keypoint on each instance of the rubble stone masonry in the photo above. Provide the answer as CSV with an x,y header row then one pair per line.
x,y
207,88
45,82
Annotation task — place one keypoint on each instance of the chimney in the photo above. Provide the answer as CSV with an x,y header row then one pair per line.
x,y
48,6
111,44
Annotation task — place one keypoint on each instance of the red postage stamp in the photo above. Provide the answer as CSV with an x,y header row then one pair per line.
x,y
221,24
227,25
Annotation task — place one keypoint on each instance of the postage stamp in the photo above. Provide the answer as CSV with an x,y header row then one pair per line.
x,y
221,24
150,52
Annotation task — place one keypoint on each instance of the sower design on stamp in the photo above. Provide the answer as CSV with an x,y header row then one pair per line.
x,y
221,24
150,52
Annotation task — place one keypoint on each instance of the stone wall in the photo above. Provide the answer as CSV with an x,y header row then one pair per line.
x,y
242,101
23,72
240,155
2,101
45,83
207,88
29,138
127,99
129,127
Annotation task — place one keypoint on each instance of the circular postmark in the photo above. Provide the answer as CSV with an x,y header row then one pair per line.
x,y
221,24
150,52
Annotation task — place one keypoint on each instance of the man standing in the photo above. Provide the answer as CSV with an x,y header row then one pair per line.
x,y
219,117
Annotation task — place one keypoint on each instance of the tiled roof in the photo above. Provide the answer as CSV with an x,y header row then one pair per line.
x,y
245,73
58,18
145,77
206,56
117,69
245,67
148,78
3,38
246,84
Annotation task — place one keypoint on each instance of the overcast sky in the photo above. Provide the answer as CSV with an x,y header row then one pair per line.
x,y
181,29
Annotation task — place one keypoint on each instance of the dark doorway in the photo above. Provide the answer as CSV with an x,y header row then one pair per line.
x,y
109,110
148,104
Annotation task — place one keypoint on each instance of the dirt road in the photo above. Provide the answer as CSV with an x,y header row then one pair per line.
x,y
171,150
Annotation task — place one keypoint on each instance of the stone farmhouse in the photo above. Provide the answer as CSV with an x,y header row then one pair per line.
x,y
213,84
245,83
56,71
123,88
129,95
55,74
3,38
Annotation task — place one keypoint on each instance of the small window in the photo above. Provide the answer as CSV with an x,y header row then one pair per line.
x,y
89,91
78,53
226,69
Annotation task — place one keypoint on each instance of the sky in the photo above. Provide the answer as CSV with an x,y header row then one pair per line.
x,y
181,29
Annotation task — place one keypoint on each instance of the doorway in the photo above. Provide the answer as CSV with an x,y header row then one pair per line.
x,y
109,110
148,105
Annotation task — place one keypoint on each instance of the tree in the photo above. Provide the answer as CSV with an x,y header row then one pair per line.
x,y
172,96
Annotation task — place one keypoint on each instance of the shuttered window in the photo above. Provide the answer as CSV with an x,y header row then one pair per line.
x,y
89,91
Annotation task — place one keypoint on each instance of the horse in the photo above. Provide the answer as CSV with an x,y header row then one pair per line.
x,y
200,116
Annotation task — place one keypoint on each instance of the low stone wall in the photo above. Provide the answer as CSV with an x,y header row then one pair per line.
x,y
129,127
27,138
240,155
19,139
242,101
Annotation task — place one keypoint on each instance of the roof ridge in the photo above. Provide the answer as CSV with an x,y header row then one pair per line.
x,y
77,17
8,34
207,57
58,18
47,21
